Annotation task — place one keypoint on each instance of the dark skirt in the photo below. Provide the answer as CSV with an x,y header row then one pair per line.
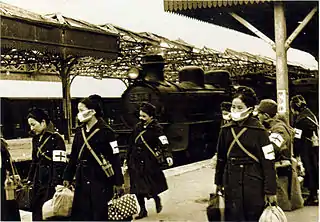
x,y
146,177
41,194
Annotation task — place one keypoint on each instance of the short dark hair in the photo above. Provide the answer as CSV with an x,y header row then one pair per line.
x,y
247,96
298,103
225,106
148,108
93,103
39,115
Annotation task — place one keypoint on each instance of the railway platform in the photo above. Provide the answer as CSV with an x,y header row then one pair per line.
x,y
186,199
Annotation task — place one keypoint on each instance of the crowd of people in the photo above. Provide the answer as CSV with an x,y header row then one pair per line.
x,y
258,154
257,159
93,167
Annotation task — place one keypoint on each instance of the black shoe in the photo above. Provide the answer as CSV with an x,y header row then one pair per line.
x,y
143,213
158,204
311,201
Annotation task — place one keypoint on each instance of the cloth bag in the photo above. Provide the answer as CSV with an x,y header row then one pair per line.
x,y
24,197
273,214
60,205
216,207
123,207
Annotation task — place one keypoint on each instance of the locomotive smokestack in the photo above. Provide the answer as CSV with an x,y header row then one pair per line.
x,y
152,68
191,74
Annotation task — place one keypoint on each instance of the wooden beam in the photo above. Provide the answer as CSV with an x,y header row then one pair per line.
x,y
280,30
30,77
253,29
304,22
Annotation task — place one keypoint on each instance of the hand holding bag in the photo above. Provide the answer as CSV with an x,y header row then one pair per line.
x,y
273,213
215,209
122,207
60,205
314,138
24,197
23,192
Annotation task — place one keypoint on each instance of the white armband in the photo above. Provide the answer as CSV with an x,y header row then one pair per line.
x,y
114,146
268,152
277,139
59,156
163,139
297,133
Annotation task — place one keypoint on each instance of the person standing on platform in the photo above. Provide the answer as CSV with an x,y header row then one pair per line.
x,y
48,160
9,208
146,177
281,135
225,108
306,127
95,163
245,170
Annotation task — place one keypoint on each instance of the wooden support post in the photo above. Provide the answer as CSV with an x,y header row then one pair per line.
x,y
65,78
300,27
253,29
281,59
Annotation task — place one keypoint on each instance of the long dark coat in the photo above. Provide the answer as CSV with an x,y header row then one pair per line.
x,y
146,177
46,168
245,181
9,208
93,189
303,147
288,186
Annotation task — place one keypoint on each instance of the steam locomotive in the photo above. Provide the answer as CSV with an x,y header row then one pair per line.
x,y
189,110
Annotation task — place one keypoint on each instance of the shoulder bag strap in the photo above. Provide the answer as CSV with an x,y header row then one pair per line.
x,y
236,138
139,135
147,145
86,139
94,154
42,145
234,141
14,170
315,122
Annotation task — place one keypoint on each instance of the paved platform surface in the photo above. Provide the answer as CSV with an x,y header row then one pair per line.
x,y
186,199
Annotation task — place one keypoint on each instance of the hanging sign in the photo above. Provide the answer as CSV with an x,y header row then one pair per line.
x,y
281,101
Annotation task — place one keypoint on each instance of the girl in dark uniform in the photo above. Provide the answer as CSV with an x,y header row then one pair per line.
x,y
305,124
98,172
245,165
48,160
146,177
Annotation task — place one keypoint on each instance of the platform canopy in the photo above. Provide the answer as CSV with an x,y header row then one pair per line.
x,y
258,13
132,46
24,30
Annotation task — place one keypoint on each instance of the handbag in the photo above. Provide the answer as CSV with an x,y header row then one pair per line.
x,y
60,205
216,207
24,197
23,193
122,207
273,214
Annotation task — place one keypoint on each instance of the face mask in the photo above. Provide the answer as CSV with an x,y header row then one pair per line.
x,y
238,116
86,115
226,116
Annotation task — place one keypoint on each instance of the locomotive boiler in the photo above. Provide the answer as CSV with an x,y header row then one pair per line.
x,y
189,110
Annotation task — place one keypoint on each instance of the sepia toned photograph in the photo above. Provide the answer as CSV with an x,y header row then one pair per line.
x,y
159,110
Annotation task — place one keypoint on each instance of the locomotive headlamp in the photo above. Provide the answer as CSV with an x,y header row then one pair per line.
x,y
133,73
